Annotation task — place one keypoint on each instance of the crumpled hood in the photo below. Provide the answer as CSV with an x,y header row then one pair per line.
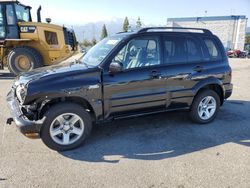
x,y
36,74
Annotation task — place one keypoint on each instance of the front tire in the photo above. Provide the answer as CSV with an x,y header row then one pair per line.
x,y
66,127
23,59
205,107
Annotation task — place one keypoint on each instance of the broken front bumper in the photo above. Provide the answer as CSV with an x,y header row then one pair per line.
x,y
25,125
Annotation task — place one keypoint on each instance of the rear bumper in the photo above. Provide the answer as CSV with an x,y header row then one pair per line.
x,y
25,125
228,90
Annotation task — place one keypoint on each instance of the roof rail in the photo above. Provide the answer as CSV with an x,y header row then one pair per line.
x,y
143,30
122,32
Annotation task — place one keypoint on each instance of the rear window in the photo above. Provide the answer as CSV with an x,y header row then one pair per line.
x,y
213,51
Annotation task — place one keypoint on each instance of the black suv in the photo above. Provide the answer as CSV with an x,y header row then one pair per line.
x,y
126,75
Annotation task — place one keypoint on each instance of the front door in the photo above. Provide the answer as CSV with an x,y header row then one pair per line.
x,y
2,23
140,84
11,22
8,22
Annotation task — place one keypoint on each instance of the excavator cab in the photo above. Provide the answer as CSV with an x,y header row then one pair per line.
x,y
26,44
12,12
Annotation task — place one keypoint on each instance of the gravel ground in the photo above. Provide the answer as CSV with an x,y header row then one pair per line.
x,y
164,150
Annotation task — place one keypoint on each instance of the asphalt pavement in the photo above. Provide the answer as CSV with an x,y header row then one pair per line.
x,y
164,150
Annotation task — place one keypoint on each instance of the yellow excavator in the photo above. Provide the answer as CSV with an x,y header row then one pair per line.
x,y
26,45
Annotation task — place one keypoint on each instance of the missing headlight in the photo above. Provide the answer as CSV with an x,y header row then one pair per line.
x,y
21,92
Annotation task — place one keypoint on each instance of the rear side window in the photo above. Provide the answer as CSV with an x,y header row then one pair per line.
x,y
175,50
213,51
180,49
193,50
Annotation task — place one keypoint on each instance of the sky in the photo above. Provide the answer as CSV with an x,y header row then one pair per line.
x,y
156,12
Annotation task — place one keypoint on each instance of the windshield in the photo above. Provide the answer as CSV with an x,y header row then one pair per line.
x,y
22,13
97,53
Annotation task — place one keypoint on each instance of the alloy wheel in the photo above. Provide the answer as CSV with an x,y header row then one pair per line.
x,y
66,129
207,107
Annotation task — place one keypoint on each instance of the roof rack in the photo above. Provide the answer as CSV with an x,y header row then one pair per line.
x,y
9,1
205,31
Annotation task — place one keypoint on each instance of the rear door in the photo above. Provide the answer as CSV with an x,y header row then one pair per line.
x,y
140,85
184,61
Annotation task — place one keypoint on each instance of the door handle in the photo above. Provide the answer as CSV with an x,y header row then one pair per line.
x,y
198,68
155,74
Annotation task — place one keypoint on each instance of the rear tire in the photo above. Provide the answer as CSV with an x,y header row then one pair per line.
x,y
23,59
205,107
66,127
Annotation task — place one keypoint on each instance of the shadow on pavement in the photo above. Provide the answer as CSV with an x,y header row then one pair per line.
x,y
164,135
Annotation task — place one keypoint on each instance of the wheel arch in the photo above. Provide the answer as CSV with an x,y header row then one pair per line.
x,y
72,99
212,84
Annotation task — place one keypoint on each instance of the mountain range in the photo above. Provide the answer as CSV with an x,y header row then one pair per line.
x,y
248,30
93,30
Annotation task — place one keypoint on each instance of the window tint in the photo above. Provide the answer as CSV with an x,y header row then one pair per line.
x,y
174,50
193,50
139,53
180,49
212,49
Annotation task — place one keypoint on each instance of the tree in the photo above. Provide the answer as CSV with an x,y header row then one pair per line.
x,y
86,43
248,39
126,24
104,32
93,42
138,23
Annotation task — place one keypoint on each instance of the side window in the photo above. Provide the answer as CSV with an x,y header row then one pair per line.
x,y
2,30
121,55
1,16
22,14
51,38
10,15
174,50
212,49
193,50
139,52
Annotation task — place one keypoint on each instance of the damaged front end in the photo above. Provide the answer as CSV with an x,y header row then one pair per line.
x,y
24,116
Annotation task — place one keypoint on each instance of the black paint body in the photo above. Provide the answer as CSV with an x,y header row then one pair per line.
x,y
128,93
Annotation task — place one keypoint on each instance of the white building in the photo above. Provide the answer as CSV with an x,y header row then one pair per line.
x,y
230,29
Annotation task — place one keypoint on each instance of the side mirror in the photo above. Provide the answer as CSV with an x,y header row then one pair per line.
x,y
115,67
